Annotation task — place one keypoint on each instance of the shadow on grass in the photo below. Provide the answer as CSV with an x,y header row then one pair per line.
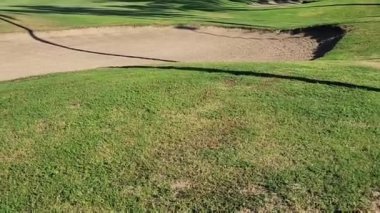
x,y
135,9
9,20
305,6
260,75
162,8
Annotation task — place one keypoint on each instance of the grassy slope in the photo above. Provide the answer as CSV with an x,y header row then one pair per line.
x,y
143,138
188,139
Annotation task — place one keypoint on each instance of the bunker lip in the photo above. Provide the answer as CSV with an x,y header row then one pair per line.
x,y
327,36
36,53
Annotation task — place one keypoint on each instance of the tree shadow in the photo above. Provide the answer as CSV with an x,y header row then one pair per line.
x,y
319,6
132,8
159,8
285,2
180,5
66,10
7,17
39,39
260,75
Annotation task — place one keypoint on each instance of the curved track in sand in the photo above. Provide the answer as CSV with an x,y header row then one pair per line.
x,y
35,53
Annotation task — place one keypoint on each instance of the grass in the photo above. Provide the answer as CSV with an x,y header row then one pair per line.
x,y
223,137
191,139
85,13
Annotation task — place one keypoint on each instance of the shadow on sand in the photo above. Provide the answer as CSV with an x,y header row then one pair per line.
x,y
11,21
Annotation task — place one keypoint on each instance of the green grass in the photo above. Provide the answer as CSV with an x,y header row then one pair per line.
x,y
227,137
84,13
191,138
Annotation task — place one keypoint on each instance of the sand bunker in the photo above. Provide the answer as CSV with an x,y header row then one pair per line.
x,y
30,53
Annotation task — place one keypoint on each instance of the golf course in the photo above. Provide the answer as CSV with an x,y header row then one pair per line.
x,y
189,106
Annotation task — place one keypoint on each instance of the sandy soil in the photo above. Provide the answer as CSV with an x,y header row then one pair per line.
x,y
29,53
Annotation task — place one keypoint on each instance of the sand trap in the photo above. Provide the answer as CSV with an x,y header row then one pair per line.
x,y
34,53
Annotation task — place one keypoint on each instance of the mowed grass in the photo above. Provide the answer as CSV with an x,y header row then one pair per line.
x,y
85,13
227,137
221,137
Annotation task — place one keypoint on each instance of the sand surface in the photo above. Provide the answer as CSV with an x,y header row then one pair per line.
x,y
35,53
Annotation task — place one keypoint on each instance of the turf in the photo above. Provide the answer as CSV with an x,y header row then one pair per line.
x,y
222,137
84,13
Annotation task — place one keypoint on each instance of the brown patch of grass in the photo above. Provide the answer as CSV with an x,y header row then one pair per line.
x,y
272,202
187,122
208,94
265,151
74,105
245,210
356,124
105,152
230,82
218,134
181,185
68,207
44,126
268,83
254,190
201,133
22,153
273,160
192,120
209,107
